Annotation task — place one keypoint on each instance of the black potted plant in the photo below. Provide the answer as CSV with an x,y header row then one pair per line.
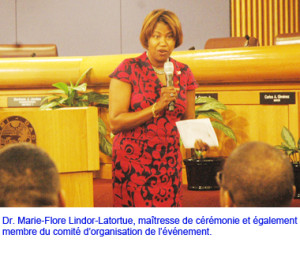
x,y
292,149
77,96
201,170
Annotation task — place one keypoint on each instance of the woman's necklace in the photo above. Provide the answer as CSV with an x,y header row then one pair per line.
x,y
157,71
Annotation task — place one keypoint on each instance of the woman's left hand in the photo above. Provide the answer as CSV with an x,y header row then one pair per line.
x,y
201,146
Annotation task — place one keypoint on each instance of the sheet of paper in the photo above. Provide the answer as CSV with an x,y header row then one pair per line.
x,y
191,130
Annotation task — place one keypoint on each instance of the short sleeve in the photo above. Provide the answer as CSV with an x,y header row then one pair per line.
x,y
122,72
191,81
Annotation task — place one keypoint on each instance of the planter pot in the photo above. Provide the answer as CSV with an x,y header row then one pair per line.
x,y
296,167
201,174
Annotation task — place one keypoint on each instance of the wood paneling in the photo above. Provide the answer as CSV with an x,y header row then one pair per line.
x,y
264,19
70,137
78,189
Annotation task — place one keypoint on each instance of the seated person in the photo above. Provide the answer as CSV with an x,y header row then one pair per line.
x,y
28,178
256,175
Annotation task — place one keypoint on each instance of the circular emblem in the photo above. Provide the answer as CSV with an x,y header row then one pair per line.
x,y
16,129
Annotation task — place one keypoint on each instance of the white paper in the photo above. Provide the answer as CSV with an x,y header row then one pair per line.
x,y
191,130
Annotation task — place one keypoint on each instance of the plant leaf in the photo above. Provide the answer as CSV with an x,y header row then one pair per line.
x,y
97,98
57,91
198,154
101,127
82,76
81,88
210,114
204,99
63,86
225,129
288,138
49,105
47,98
213,105
282,147
72,96
105,146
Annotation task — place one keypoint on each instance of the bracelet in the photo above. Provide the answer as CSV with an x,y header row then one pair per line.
x,y
153,111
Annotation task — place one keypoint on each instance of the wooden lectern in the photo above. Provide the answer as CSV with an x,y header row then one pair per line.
x,y
68,135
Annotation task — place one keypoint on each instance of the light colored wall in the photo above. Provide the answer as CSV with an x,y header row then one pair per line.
x,y
100,27
200,19
7,22
78,27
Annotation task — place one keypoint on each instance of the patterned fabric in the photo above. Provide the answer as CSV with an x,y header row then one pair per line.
x,y
146,160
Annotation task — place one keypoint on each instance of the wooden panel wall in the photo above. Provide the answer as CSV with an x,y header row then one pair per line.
x,y
264,19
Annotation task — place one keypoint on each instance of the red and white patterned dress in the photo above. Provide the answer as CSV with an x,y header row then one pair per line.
x,y
146,161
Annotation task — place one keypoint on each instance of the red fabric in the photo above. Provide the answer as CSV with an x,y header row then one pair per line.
x,y
147,161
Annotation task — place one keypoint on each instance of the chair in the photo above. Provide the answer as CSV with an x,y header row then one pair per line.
x,y
287,39
231,42
44,50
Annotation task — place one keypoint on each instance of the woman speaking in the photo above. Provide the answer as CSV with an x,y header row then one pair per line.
x,y
146,159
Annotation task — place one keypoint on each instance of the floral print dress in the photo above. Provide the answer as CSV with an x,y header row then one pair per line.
x,y
146,161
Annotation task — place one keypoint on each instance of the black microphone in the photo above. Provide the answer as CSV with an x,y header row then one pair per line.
x,y
169,70
248,40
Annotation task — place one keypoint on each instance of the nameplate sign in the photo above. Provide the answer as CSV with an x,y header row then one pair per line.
x,y
277,98
29,101
212,95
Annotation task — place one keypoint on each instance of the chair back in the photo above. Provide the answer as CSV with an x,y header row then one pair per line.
x,y
287,39
231,42
45,50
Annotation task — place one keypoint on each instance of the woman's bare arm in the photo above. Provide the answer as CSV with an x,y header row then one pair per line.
x,y
119,102
190,106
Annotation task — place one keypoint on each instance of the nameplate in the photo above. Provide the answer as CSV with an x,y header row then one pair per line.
x,y
29,101
277,98
212,95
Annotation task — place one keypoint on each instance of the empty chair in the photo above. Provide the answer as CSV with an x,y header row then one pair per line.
x,y
231,42
44,50
287,39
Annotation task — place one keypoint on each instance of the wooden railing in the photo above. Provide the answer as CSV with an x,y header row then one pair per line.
x,y
269,64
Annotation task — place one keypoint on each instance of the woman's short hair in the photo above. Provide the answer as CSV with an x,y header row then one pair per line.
x,y
161,15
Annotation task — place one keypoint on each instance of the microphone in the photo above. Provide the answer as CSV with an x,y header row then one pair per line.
x,y
248,40
169,70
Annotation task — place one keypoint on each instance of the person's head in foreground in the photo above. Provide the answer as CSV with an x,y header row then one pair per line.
x,y
28,178
256,175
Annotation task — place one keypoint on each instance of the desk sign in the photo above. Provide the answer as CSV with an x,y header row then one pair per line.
x,y
29,101
277,98
212,95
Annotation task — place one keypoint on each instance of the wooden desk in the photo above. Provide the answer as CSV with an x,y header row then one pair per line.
x,y
69,136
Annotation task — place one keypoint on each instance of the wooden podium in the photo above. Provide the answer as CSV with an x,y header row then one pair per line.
x,y
68,135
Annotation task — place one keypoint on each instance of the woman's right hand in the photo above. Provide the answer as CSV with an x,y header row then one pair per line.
x,y
167,95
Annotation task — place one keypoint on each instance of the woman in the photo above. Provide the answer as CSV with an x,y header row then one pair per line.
x,y
146,154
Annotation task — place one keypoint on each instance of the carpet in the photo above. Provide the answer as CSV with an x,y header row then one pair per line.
x,y
103,196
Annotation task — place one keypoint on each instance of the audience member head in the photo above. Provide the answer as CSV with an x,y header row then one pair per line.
x,y
28,177
256,175
161,15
